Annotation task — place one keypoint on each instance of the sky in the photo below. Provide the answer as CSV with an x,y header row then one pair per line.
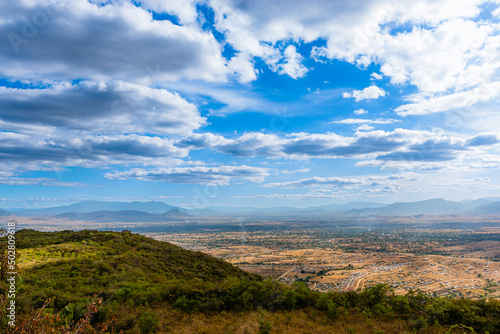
x,y
248,102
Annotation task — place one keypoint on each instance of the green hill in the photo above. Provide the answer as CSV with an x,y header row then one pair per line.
x,y
147,286
71,265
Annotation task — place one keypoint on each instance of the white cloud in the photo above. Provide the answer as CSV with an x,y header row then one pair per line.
x,y
385,146
252,144
292,65
303,170
67,149
310,195
99,107
366,121
426,105
39,181
411,148
360,111
184,10
439,47
233,99
336,182
114,41
242,68
369,93
194,175
364,127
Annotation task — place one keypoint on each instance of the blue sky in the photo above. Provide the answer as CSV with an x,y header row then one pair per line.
x,y
248,103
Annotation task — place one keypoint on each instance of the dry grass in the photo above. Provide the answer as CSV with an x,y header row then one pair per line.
x,y
173,321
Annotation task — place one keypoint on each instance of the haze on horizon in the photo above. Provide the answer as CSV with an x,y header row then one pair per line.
x,y
248,103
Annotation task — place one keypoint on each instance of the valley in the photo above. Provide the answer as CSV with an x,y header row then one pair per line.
x,y
446,255
443,262
288,273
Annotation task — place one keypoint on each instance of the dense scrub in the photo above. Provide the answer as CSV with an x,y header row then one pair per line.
x,y
150,286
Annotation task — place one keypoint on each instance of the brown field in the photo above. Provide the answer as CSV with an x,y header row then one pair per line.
x,y
468,270
425,253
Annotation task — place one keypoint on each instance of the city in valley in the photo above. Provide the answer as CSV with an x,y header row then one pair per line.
x,y
427,256
452,256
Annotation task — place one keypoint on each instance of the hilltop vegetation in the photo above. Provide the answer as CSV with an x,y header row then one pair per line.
x,y
147,286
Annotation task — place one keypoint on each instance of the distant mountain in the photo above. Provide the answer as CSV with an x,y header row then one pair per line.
x,y
160,211
125,216
469,205
91,206
488,209
175,213
219,211
347,206
282,210
112,216
437,206
5,213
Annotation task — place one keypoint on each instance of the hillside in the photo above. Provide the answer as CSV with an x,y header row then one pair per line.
x,y
70,267
113,257
147,286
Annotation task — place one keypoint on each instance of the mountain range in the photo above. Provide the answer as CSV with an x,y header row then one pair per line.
x,y
123,216
437,206
155,211
155,207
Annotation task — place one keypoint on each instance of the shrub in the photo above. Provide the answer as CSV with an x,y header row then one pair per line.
x,y
148,322
264,326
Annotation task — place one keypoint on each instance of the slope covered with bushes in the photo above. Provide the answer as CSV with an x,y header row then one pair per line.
x,y
149,286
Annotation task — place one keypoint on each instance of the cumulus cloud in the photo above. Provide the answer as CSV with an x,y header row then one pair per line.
x,y
75,148
87,151
116,40
194,175
242,68
369,93
396,145
310,195
38,181
303,170
367,121
292,65
252,144
102,76
483,139
422,105
364,127
130,145
344,187
360,111
421,155
99,107
441,48
184,10
201,141
336,182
